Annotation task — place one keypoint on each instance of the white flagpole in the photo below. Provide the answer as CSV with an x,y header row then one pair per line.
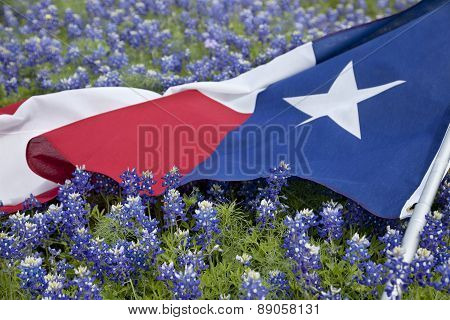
x,y
417,222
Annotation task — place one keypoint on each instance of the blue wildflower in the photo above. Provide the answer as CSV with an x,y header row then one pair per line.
x,y
85,287
399,272
81,180
173,208
9,246
331,221
332,294
130,182
55,284
392,239
432,237
422,265
278,283
266,214
206,221
172,178
245,259
373,274
186,284
32,275
166,272
443,281
357,250
31,203
252,287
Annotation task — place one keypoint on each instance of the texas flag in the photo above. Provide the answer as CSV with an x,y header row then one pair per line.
x,y
362,111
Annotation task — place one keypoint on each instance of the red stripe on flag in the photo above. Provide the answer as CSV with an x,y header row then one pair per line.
x,y
12,108
114,141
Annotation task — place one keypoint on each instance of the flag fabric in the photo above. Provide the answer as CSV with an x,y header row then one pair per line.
x,y
39,114
362,111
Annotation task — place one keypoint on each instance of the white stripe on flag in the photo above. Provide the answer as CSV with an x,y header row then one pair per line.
x,y
240,93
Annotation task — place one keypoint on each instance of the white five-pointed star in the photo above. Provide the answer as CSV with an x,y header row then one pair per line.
x,y
340,104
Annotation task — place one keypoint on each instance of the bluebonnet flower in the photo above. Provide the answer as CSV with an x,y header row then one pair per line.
x,y
32,275
278,176
117,59
432,237
55,284
85,287
357,250
28,231
373,274
422,265
74,30
9,16
307,217
51,50
78,80
296,39
194,258
11,85
51,219
217,191
245,259
206,221
104,184
312,281
252,287
331,221
266,214
147,181
150,241
71,17
130,182
278,283
304,255
173,208
276,180
109,79
118,266
137,69
296,228
92,32
399,272
82,244
74,212
31,203
186,284
43,79
172,178
81,180
443,272
130,214
9,246
392,238
332,294
166,272
183,240
171,63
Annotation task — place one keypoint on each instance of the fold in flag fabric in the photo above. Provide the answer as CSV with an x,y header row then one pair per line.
x,y
362,111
